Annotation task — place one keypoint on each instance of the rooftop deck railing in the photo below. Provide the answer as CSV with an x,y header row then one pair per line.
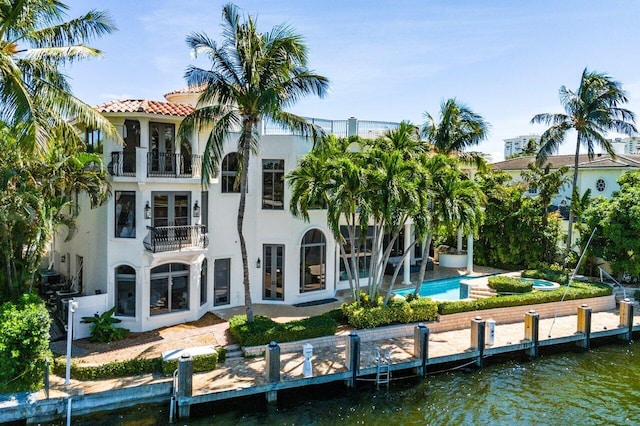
x,y
176,238
340,128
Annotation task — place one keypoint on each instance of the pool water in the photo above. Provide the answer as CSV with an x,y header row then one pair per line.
x,y
444,289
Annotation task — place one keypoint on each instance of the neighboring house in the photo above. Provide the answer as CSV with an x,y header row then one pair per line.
x,y
600,174
164,249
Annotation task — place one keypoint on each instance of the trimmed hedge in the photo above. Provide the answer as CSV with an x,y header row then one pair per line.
x,y
264,330
110,370
397,311
136,367
201,363
560,277
509,285
577,290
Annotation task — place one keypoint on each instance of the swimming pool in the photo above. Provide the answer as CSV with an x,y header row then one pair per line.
x,y
542,285
444,289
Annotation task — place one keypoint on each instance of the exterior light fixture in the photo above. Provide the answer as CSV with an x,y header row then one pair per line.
x,y
258,263
147,211
196,209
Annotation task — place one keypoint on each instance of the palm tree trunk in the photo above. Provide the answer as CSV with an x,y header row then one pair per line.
x,y
243,245
573,191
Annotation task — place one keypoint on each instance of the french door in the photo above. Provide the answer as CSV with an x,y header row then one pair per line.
x,y
273,272
171,208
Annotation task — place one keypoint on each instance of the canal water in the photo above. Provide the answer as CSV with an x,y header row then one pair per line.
x,y
598,387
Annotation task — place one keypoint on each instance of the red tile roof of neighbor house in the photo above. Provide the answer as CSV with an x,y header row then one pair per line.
x,y
557,161
146,106
188,89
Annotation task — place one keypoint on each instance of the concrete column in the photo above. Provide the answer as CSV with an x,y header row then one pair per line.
x,y
477,338
470,254
532,332
626,319
460,235
421,347
584,326
185,385
406,277
272,371
353,358
352,126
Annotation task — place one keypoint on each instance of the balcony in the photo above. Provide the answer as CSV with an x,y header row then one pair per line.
x,y
176,238
162,164
158,164
122,164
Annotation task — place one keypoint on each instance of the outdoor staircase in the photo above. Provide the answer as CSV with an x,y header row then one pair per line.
x,y
234,352
481,292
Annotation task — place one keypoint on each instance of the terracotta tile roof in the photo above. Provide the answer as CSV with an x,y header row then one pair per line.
x,y
146,106
188,89
557,161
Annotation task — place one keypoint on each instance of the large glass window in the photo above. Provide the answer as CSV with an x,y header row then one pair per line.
x,y
273,272
273,184
362,249
204,208
125,291
125,214
169,289
313,258
222,281
230,173
162,147
203,282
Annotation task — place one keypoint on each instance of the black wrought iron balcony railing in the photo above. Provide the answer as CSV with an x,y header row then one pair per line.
x,y
162,164
122,164
176,238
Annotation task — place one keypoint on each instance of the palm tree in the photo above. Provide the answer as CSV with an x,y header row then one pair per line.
x,y
35,41
254,76
459,128
591,111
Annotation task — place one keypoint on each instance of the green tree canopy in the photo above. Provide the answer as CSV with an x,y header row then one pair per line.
x,y
253,76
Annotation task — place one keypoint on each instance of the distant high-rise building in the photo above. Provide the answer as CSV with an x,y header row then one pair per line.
x,y
515,146
631,145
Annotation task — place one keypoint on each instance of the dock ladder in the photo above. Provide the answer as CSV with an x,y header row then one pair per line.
x,y
383,370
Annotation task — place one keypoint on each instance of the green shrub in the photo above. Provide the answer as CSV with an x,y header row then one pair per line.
x,y
201,363
554,274
24,344
264,330
222,354
102,328
398,311
577,290
509,285
110,370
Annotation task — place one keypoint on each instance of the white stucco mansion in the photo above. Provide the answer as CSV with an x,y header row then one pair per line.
x,y
164,249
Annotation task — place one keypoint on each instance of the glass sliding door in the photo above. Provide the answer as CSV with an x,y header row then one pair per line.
x,y
169,289
273,272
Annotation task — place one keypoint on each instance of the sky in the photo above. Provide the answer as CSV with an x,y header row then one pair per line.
x,y
388,60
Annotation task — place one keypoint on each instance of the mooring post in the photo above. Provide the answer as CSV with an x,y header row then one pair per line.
x,y
353,358
185,385
532,332
46,378
626,319
272,357
584,326
477,338
421,347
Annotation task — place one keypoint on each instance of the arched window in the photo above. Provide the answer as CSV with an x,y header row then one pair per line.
x,y
203,282
230,165
313,259
169,289
125,291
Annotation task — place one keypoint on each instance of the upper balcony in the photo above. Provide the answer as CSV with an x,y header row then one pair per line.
x,y
176,238
154,164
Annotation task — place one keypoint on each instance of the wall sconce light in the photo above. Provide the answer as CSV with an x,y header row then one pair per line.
x,y
196,209
258,263
147,211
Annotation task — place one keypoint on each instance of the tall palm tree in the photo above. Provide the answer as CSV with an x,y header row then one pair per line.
x,y
253,76
35,42
593,110
459,128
